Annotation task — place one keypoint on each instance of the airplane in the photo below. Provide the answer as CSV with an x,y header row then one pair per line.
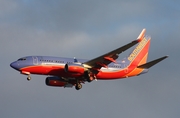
x,y
69,72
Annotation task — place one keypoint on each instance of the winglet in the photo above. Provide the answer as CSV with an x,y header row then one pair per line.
x,y
152,63
75,60
141,35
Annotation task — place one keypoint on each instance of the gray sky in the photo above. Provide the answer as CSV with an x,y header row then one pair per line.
x,y
87,29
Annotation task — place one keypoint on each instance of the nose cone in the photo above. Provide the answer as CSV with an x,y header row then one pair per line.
x,y
14,65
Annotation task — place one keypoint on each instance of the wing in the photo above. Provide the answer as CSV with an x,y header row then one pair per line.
x,y
102,61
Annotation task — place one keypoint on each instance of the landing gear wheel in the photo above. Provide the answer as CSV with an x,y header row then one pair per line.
x,y
78,86
28,78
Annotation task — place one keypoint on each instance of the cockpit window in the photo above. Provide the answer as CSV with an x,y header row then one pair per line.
x,y
21,59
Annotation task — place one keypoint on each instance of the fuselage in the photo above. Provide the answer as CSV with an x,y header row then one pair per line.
x,y
54,66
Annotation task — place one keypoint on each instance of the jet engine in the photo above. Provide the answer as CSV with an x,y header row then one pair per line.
x,y
74,68
55,81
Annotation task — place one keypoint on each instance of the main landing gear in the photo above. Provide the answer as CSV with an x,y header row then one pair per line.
x,y
78,86
88,77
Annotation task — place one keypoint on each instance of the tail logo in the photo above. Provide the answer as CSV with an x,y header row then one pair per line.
x,y
137,49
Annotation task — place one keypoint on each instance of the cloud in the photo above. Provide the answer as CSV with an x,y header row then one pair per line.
x,y
7,7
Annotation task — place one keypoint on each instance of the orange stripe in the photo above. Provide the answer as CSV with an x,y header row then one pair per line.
x,y
137,71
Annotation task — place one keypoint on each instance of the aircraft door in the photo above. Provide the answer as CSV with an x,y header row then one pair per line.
x,y
35,60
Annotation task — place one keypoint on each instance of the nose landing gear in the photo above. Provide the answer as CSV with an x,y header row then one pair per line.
x,y
26,73
28,78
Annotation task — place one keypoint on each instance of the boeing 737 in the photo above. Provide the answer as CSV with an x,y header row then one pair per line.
x,y
69,72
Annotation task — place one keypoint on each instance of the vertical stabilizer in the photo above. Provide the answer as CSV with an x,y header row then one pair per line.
x,y
140,53
138,57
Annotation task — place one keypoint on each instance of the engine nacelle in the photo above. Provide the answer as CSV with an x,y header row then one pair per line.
x,y
74,68
55,81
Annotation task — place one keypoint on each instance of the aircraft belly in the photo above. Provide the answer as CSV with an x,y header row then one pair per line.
x,y
111,75
50,70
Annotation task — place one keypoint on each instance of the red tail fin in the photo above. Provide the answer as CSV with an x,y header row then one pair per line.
x,y
140,53
138,57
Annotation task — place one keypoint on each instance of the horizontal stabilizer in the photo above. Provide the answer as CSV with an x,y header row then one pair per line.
x,y
152,63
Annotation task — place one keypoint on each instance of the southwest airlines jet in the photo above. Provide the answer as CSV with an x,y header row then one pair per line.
x,y
69,72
